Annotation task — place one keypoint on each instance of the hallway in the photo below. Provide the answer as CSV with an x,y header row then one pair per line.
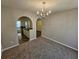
x,y
23,39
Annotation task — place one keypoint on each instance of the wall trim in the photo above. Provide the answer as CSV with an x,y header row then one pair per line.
x,y
2,50
60,43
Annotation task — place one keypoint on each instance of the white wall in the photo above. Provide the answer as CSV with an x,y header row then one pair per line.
x,y
62,27
8,25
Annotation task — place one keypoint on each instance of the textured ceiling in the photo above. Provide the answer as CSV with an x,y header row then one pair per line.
x,y
33,5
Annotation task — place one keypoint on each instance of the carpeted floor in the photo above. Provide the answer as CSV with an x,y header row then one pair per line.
x,y
40,48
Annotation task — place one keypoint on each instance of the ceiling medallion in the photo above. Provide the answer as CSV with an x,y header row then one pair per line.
x,y
43,12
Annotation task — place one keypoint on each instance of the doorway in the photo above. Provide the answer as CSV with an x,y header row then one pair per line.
x,y
39,26
23,25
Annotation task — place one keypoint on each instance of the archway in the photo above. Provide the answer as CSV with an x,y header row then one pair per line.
x,y
23,25
39,26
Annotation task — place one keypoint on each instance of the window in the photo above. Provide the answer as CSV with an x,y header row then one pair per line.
x,y
26,24
18,24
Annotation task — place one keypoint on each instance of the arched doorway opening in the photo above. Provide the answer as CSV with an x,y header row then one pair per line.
x,y
23,25
39,26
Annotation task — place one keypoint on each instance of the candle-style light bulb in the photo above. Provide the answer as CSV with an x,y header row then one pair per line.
x,y
47,14
42,10
41,14
49,11
37,12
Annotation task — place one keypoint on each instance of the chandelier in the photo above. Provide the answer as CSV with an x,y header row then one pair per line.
x,y
43,12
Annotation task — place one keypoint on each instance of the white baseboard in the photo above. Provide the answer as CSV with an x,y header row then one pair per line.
x,y
60,43
9,47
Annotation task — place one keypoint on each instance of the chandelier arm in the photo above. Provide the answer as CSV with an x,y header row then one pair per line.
x,y
43,12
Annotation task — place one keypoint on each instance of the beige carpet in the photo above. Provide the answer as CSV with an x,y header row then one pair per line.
x,y
40,48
